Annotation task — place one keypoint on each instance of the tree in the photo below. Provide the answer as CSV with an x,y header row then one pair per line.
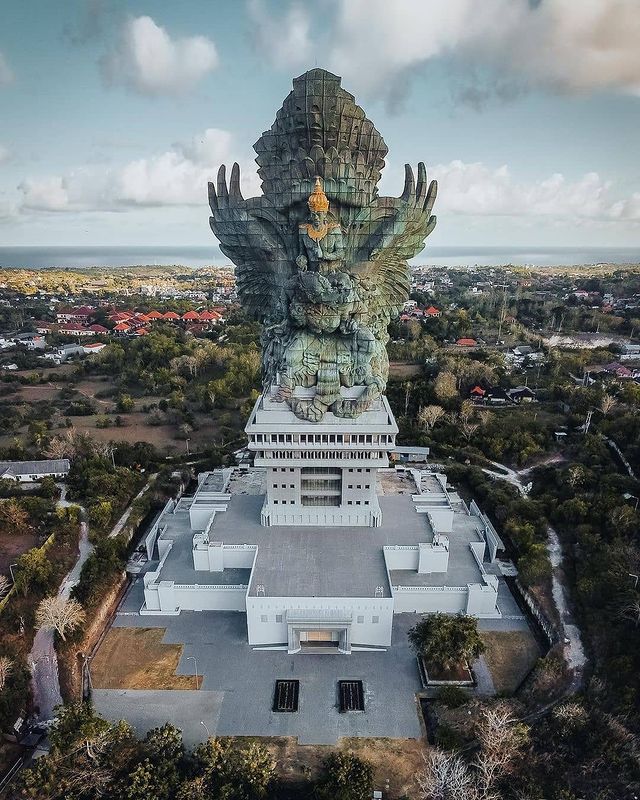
x,y
34,570
429,416
125,403
501,739
446,777
607,403
231,772
446,386
446,640
56,613
346,777
6,668
13,517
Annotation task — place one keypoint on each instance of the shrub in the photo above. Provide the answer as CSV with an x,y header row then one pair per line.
x,y
453,696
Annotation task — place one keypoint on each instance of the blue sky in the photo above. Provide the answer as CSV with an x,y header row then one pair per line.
x,y
114,114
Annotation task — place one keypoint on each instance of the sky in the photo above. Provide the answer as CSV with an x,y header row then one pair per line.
x,y
114,114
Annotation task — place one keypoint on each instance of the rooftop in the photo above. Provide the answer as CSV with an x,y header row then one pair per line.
x,y
305,561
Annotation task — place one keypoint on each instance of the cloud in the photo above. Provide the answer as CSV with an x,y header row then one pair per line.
x,y
5,153
284,39
478,190
177,177
6,73
378,46
149,61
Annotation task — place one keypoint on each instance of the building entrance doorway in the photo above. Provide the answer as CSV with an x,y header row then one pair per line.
x,y
319,638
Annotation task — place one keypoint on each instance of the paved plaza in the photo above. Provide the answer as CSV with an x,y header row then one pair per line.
x,y
237,692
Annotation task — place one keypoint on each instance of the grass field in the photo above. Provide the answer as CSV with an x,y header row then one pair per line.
x,y
136,658
509,655
12,546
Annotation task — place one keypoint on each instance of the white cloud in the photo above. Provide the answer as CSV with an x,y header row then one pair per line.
x,y
376,45
478,190
177,177
6,73
149,61
284,39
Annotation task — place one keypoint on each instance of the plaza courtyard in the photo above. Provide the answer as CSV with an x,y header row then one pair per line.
x,y
237,682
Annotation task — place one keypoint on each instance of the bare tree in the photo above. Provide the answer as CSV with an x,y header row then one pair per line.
x,y
429,416
5,584
607,403
56,613
468,428
446,386
631,611
6,668
485,417
445,777
501,739
466,410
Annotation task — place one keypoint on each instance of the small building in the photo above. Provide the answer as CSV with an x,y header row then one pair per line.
x,y
75,329
522,394
477,394
432,311
466,342
406,454
30,471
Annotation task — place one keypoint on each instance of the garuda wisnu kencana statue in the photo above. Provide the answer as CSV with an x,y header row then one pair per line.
x,y
321,258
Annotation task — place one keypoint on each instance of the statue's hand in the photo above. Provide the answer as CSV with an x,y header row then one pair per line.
x,y
302,262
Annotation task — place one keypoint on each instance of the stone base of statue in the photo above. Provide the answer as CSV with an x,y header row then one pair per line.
x,y
321,473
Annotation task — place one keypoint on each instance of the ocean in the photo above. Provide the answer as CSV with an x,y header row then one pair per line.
x,y
60,257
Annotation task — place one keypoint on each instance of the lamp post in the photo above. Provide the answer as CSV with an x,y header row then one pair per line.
x,y
195,667
204,725
628,496
11,566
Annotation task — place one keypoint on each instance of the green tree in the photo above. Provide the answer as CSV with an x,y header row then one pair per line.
x,y
446,640
125,403
34,571
346,777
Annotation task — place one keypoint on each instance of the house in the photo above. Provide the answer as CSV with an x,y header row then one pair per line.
x,y
93,347
478,394
497,396
98,329
410,454
522,394
154,315
171,316
191,316
464,342
30,471
81,314
210,317
75,329
122,329
629,349
432,311
32,341
45,327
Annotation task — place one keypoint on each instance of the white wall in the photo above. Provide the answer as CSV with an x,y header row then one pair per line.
x,y
366,632
401,556
425,600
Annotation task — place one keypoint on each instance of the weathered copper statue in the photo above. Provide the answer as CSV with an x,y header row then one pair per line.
x,y
321,258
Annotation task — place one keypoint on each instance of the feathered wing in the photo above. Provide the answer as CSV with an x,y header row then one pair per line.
x,y
387,233
253,234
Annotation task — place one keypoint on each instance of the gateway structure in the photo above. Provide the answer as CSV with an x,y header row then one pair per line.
x,y
321,555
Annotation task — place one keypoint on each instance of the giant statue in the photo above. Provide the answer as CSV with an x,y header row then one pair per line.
x,y
321,258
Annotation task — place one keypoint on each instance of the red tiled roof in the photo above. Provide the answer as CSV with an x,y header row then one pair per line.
x,y
141,332
189,315
154,314
98,329
170,315
72,326
209,315
432,310
478,390
121,326
467,342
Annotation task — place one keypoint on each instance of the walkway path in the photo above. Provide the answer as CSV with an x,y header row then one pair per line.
x,y
45,683
573,649
117,528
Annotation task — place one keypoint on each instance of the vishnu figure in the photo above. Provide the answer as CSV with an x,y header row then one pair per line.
x,y
321,244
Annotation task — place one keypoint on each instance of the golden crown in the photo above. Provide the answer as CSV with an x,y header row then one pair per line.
x,y
318,200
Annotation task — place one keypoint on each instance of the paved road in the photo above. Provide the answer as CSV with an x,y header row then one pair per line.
x,y
45,684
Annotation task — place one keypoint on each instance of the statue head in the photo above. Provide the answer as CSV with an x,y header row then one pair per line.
x,y
318,205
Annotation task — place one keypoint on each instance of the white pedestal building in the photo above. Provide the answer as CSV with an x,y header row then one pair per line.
x,y
320,543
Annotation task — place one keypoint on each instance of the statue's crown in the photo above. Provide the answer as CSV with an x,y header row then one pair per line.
x,y
318,200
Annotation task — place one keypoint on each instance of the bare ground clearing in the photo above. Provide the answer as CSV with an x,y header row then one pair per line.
x,y
136,658
510,655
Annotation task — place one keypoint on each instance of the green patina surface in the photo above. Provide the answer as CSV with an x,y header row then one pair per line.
x,y
321,258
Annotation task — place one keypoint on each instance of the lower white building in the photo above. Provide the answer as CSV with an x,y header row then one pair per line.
x,y
323,586
31,471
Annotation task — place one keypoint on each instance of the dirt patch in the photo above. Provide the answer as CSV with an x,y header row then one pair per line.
x,y
12,546
395,762
510,655
136,658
